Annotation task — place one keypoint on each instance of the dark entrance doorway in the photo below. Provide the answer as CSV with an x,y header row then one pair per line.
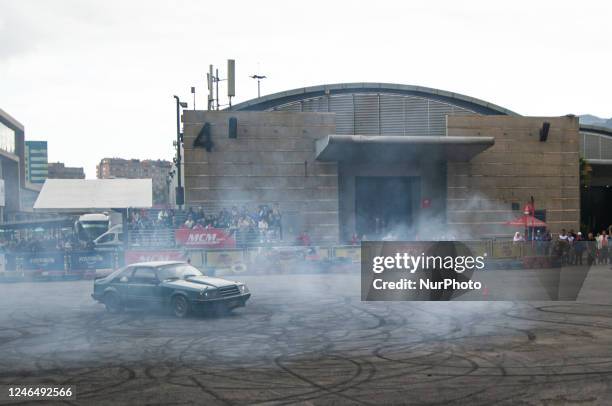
x,y
385,205
595,208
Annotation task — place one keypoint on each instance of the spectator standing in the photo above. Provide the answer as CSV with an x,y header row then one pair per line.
x,y
243,231
304,239
276,221
262,225
518,237
571,254
604,247
578,248
591,248
599,239
547,238
563,246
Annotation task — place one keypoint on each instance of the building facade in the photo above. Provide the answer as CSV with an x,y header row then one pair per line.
x,y
596,172
58,170
16,202
271,161
12,168
517,167
381,159
157,170
36,161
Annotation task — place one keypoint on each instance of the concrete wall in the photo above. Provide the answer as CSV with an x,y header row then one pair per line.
x,y
480,192
271,161
10,174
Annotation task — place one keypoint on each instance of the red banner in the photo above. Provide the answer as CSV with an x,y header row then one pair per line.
x,y
132,257
204,238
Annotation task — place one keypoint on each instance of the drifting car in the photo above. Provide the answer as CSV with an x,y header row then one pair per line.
x,y
175,285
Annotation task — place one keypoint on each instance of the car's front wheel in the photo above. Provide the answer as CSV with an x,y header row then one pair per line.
x,y
180,306
113,303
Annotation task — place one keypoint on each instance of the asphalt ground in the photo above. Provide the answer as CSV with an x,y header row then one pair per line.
x,y
309,339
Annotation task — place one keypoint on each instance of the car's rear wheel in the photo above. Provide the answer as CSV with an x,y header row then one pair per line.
x,y
113,303
180,306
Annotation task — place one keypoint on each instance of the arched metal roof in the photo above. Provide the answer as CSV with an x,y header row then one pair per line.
x,y
596,144
271,101
596,129
394,109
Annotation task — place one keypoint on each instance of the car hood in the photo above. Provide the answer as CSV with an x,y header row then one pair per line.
x,y
200,282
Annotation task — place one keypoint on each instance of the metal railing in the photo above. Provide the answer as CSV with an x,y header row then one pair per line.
x,y
236,237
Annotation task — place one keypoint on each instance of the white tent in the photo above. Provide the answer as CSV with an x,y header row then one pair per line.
x,y
72,195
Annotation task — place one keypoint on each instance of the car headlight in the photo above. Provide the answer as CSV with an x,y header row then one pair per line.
x,y
208,293
243,289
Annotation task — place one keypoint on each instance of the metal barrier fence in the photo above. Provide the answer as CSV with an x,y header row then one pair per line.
x,y
60,263
214,238
279,258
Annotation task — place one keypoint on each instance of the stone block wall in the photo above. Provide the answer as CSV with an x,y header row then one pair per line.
x,y
271,161
518,166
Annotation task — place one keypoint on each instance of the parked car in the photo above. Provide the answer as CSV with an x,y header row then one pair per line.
x,y
176,285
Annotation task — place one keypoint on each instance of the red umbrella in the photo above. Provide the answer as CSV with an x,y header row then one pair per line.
x,y
526,221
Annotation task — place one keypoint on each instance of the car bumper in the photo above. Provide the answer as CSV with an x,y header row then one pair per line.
x,y
231,302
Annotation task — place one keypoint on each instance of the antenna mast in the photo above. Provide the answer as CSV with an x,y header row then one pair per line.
x,y
212,81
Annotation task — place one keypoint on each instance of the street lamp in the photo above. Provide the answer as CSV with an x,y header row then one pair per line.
x,y
180,193
259,78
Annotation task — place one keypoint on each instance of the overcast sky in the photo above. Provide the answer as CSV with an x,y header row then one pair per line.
x,y
96,78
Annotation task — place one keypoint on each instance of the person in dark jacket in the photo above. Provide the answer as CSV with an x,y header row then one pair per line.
x,y
591,249
578,248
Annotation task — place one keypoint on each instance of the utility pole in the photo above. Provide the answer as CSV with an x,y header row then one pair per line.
x,y
217,87
180,195
209,80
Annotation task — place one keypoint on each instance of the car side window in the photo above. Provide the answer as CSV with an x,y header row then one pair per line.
x,y
123,276
143,275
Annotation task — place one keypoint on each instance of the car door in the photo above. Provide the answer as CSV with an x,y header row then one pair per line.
x,y
121,282
143,289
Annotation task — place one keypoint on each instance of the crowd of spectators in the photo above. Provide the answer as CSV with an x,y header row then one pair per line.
x,y
573,248
261,225
156,227
40,241
592,248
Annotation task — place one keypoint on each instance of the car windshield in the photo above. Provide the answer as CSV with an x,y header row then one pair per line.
x,y
178,271
116,273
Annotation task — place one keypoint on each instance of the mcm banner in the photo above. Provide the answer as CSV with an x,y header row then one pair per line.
x,y
204,238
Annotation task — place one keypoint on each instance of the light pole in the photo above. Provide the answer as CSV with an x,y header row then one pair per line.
x,y
259,78
180,194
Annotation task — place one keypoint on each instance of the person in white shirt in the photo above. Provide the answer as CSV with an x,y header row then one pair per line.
x,y
564,246
604,247
262,225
